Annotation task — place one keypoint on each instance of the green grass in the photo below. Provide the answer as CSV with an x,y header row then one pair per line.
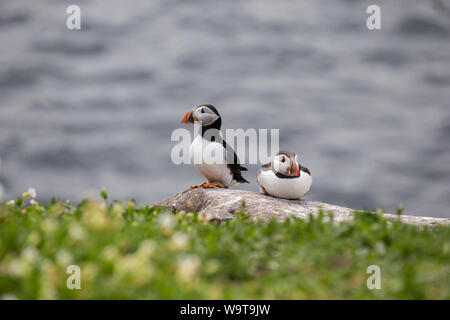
x,y
125,251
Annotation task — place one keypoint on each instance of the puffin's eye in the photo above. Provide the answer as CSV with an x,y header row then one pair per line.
x,y
283,159
202,110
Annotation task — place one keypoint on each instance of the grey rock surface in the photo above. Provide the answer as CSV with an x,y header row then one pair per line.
x,y
222,204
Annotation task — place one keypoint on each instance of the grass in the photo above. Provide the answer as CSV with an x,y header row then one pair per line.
x,y
126,251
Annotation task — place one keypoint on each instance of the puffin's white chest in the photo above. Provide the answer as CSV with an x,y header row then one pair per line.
x,y
209,159
284,188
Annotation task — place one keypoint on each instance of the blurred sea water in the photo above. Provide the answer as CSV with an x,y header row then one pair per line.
x,y
368,112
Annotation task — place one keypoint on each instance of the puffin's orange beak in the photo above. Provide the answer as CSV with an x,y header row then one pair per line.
x,y
187,117
295,171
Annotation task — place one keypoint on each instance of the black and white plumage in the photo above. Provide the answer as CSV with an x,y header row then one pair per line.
x,y
210,153
284,177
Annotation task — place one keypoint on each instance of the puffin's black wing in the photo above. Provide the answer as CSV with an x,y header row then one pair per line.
x,y
304,169
235,167
267,166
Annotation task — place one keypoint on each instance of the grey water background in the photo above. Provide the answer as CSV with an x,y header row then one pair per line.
x,y
368,112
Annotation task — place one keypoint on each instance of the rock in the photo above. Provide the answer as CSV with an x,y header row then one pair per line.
x,y
221,204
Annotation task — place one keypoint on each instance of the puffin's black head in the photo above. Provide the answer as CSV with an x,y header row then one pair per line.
x,y
207,114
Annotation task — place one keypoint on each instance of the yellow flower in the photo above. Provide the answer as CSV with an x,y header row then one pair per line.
x,y
33,202
30,193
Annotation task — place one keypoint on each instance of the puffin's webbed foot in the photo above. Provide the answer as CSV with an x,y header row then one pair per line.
x,y
198,185
214,184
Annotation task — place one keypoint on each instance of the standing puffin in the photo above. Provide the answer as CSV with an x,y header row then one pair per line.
x,y
210,153
284,177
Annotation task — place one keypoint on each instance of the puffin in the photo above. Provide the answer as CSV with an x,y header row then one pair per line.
x,y
210,153
284,177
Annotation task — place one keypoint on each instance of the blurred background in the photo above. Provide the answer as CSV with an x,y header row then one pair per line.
x,y
368,112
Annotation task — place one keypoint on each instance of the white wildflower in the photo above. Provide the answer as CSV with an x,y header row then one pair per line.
x,y
179,241
32,192
147,248
166,221
48,225
33,238
30,254
188,268
63,257
110,253
77,232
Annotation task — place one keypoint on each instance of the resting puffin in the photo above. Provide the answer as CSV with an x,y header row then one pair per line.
x,y
210,153
284,177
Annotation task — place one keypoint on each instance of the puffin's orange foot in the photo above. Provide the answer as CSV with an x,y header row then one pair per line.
x,y
198,185
214,184
264,190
